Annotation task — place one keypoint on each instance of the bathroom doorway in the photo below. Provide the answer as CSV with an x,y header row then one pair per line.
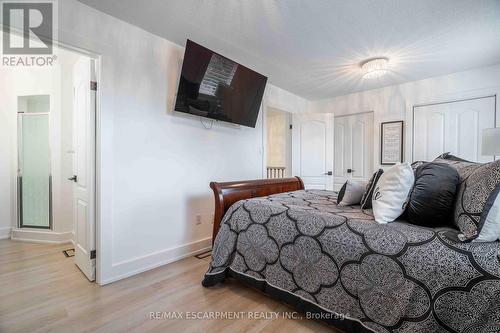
x,y
49,117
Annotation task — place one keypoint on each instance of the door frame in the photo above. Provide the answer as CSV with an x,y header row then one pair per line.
x,y
97,166
265,128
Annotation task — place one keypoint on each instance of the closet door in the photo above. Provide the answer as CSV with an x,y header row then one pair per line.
x,y
353,148
312,149
455,127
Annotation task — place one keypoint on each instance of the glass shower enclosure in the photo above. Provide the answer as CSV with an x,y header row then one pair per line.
x,y
34,167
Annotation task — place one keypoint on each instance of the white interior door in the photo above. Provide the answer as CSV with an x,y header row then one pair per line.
x,y
84,166
353,148
312,149
454,127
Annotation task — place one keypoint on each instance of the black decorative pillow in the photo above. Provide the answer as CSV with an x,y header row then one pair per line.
x,y
432,198
366,200
477,182
341,193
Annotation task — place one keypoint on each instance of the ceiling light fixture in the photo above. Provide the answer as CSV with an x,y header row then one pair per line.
x,y
374,68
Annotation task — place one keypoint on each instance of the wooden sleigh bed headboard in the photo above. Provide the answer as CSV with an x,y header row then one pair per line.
x,y
226,194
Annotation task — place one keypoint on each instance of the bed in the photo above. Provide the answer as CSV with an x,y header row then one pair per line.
x,y
298,246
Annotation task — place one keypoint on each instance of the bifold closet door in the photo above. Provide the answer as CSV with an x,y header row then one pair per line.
x,y
455,127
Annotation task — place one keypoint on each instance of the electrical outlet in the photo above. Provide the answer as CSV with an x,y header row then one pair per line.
x,y
198,219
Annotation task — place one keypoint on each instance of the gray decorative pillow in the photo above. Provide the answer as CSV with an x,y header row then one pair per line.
x,y
464,167
477,182
449,156
351,193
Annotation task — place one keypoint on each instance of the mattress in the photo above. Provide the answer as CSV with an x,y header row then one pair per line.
x,y
360,276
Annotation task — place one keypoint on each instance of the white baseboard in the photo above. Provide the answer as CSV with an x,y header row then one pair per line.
x,y
127,268
41,236
5,233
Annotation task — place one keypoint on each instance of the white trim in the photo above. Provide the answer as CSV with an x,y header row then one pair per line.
x,y
263,148
5,233
97,170
352,114
127,268
41,236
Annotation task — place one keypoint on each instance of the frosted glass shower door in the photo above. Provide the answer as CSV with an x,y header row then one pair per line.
x,y
34,170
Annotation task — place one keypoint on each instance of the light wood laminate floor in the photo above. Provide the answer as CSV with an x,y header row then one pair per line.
x,y
41,290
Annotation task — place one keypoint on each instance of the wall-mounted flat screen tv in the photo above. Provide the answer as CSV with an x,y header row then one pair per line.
x,y
216,87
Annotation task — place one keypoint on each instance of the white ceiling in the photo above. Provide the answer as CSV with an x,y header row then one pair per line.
x,y
313,48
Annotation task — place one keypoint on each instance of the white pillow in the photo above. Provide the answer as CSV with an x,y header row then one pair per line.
x,y
490,219
391,193
352,193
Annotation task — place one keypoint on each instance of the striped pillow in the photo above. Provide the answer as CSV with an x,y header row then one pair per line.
x,y
366,200
477,182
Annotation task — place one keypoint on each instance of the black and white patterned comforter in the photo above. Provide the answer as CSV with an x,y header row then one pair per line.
x,y
305,250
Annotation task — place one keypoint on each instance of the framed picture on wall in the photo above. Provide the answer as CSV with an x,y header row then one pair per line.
x,y
391,142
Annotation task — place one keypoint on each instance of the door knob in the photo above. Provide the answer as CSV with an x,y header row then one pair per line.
x,y
350,170
73,179
329,173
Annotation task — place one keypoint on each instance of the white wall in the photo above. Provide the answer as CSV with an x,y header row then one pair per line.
x,y
6,192
156,165
396,102
283,100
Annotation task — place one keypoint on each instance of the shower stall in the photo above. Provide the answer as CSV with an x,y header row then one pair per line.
x,y
34,162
